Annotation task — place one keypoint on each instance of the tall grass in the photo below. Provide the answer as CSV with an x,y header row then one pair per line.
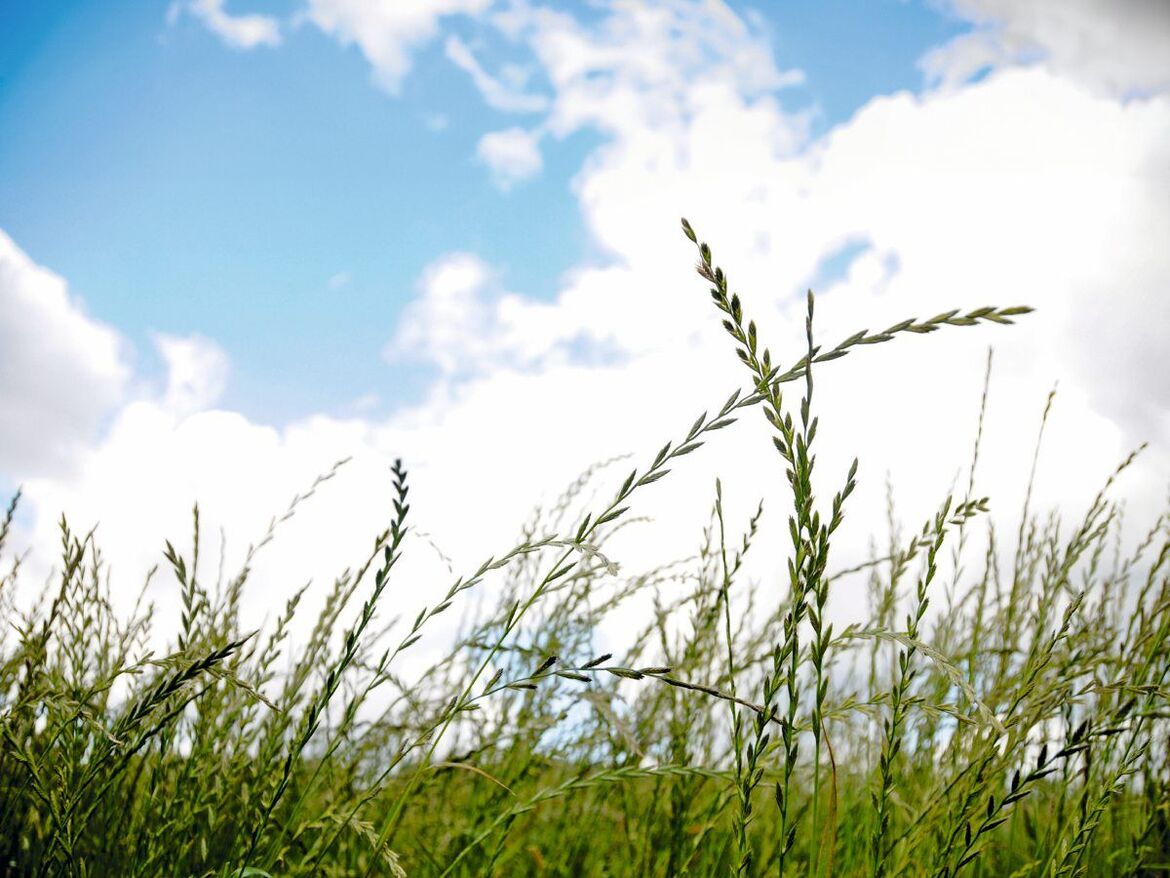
x,y
1022,731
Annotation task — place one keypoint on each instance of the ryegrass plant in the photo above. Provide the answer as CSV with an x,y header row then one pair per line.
x,y
1022,731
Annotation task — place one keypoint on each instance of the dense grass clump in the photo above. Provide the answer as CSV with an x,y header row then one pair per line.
x,y
1021,731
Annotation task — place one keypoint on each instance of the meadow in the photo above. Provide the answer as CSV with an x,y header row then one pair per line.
x,y
1002,713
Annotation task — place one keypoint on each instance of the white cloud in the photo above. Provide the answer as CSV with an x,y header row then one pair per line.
x,y
464,324
340,281
197,372
513,155
447,324
645,58
1026,187
1023,188
387,31
237,31
495,93
1119,46
61,371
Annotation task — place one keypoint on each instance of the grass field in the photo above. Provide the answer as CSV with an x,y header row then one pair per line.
x,y
1003,713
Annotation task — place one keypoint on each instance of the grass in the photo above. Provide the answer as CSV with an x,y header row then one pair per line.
x,y
1019,731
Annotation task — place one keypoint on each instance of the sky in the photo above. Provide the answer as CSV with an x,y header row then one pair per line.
x,y
242,240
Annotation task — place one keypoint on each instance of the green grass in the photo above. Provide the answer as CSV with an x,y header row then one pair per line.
x,y
999,716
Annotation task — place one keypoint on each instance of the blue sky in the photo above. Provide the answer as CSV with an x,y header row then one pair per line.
x,y
241,240
182,186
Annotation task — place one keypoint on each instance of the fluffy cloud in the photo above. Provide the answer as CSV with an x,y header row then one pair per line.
x,y
464,323
197,371
387,31
512,155
446,325
1026,187
1115,45
496,94
61,371
237,31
